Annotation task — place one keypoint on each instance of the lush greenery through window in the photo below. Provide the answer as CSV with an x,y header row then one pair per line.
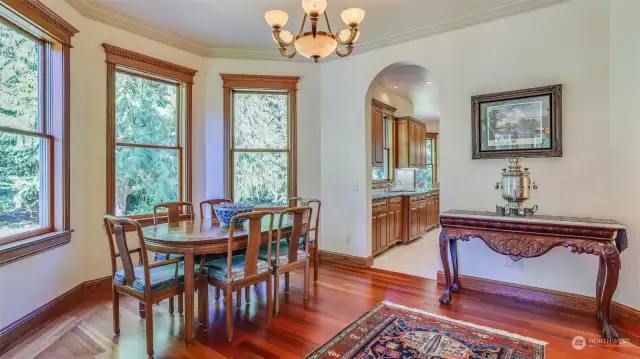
x,y
261,148
425,178
385,172
25,140
148,151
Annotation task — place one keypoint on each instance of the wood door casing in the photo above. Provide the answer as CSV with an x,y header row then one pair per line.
x,y
377,137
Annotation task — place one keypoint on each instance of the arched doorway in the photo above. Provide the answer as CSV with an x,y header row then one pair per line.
x,y
402,110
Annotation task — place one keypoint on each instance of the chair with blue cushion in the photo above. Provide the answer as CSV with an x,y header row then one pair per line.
x,y
314,247
148,282
287,256
238,271
174,215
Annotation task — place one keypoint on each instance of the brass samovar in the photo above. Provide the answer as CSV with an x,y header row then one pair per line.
x,y
516,188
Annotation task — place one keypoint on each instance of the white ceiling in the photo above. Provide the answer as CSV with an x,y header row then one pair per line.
x,y
236,28
414,83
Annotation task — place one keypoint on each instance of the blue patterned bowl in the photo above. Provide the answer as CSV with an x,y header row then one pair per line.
x,y
226,211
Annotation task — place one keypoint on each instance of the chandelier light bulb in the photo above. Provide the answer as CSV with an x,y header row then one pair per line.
x,y
276,18
314,6
352,16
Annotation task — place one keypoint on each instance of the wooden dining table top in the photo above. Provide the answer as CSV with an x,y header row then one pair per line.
x,y
206,231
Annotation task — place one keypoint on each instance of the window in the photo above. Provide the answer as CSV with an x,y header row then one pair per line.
x,y
384,173
428,176
149,133
260,125
34,118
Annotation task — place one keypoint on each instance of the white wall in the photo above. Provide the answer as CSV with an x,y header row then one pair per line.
x,y
308,121
508,54
433,126
624,87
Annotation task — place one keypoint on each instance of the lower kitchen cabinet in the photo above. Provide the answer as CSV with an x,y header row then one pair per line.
x,y
386,220
402,219
423,212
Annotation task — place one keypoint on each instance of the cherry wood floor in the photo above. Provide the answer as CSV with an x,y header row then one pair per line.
x,y
340,296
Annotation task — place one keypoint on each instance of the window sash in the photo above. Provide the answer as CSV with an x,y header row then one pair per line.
x,y
233,150
180,142
44,129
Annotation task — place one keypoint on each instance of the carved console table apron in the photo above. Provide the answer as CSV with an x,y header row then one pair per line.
x,y
528,237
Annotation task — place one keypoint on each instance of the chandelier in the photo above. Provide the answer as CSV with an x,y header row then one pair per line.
x,y
315,44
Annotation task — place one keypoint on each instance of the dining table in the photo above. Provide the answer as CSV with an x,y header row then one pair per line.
x,y
202,236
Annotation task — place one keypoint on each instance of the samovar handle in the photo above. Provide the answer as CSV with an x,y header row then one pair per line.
x,y
535,186
498,185
534,209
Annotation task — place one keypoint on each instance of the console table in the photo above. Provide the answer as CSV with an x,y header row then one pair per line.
x,y
528,237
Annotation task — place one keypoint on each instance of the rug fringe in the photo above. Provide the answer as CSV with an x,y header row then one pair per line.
x,y
472,325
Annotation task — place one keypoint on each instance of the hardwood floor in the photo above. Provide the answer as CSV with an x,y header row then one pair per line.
x,y
340,296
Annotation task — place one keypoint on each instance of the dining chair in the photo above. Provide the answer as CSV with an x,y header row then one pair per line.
x,y
286,256
148,282
235,272
174,213
314,245
211,203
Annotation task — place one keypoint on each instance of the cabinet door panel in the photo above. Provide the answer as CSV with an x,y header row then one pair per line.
x,y
383,234
374,234
413,222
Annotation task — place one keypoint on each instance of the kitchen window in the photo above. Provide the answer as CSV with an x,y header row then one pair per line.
x,y
385,172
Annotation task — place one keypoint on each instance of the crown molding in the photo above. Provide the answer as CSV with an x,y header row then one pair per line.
x,y
259,81
132,59
95,11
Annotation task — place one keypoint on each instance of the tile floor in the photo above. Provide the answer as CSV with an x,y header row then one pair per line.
x,y
420,257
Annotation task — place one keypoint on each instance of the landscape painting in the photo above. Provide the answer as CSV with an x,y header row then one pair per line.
x,y
514,124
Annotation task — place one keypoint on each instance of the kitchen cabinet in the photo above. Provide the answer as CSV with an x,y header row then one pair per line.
x,y
378,111
410,142
386,223
423,212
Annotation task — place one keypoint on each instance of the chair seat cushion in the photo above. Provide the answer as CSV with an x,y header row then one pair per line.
x,y
312,241
161,278
284,253
217,268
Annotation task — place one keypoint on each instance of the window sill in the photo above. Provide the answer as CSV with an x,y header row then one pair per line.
x,y
18,250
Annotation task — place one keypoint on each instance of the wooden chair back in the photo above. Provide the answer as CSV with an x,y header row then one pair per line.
x,y
211,203
116,227
173,211
300,217
313,203
254,239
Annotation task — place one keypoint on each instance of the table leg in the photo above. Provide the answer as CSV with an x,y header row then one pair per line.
x,y
188,297
453,246
444,239
602,272
612,260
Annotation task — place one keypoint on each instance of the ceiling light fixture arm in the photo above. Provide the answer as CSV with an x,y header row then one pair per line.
x,y
345,54
283,52
354,33
281,42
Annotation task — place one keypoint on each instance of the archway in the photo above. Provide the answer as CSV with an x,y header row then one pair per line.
x,y
403,119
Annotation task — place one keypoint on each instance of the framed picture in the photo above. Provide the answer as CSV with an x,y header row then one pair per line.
x,y
523,123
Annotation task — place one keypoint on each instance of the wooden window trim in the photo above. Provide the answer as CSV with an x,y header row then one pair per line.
x,y
288,84
45,26
119,59
434,136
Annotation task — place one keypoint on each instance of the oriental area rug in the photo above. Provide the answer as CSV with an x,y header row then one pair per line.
x,y
392,331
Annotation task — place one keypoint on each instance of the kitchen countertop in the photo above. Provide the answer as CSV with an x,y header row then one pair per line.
x,y
383,195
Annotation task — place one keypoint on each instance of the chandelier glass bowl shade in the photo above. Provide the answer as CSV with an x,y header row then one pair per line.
x,y
315,44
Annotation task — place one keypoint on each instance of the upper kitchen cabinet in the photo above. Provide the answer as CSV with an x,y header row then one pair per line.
x,y
411,150
379,141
